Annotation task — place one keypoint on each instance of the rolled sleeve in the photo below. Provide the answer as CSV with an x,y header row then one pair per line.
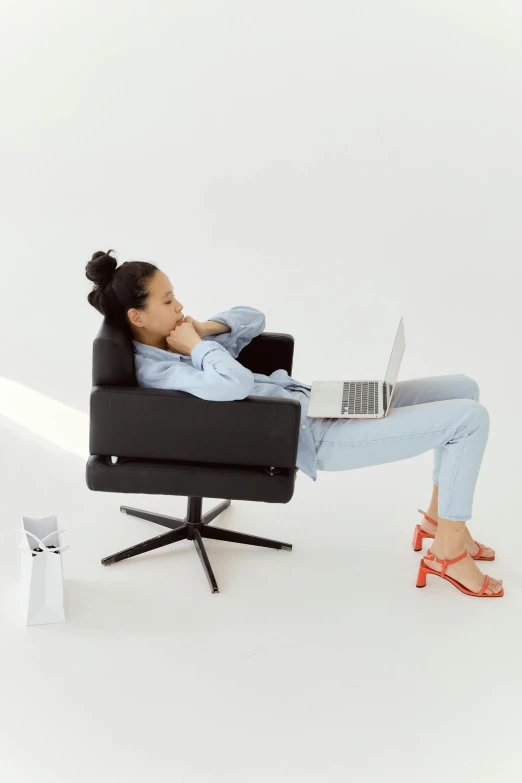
x,y
245,323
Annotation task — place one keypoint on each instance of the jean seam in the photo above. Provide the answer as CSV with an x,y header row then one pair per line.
x,y
399,437
438,399
462,427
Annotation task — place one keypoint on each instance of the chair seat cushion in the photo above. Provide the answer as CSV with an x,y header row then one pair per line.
x,y
168,477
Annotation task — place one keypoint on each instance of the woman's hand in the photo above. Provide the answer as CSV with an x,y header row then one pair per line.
x,y
183,339
199,326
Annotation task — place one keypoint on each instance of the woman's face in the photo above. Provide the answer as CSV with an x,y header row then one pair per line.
x,y
162,314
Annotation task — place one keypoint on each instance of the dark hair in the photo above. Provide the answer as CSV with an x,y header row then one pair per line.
x,y
118,290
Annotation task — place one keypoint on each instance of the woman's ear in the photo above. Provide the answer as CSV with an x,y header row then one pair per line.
x,y
134,317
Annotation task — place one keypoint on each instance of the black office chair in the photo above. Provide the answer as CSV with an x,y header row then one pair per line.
x,y
162,442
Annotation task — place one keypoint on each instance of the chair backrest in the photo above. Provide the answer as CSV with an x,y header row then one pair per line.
x,y
113,357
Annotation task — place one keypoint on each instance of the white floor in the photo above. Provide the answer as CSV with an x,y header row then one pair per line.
x,y
324,663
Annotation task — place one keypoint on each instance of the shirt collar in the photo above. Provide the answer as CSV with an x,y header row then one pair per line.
x,y
155,353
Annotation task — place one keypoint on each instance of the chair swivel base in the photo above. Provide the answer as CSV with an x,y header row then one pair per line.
x,y
194,528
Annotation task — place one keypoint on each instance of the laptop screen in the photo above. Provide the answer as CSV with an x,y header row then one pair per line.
x,y
396,355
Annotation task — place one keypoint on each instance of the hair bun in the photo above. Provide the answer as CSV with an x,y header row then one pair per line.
x,y
100,268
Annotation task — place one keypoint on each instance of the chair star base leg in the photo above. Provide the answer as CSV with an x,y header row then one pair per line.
x,y
205,562
243,538
147,546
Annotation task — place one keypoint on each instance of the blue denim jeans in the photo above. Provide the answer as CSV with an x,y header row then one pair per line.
x,y
442,413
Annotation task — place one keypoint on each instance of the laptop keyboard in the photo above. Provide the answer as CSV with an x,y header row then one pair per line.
x,y
360,397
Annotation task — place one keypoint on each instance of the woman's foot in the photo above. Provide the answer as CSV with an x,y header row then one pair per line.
x,y
469,543
465,571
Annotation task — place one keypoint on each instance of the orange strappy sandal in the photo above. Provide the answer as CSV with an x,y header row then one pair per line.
x,y
419,534
424,570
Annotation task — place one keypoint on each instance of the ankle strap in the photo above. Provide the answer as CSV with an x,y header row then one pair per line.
x,y
430,556
427,517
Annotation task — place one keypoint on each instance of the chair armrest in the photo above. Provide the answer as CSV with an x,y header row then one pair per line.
x,y
174,425
267,352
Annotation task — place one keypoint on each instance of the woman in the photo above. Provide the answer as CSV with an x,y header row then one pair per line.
x,y
442,413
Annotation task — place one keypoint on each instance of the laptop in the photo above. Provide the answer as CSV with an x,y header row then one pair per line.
x,y
358,399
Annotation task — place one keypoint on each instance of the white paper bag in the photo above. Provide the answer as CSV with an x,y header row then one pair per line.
x,y
41,572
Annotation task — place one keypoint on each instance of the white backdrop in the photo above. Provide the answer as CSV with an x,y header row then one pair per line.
x,y
337,165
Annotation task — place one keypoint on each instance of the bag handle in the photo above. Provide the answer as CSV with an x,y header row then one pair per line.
x,y
41,542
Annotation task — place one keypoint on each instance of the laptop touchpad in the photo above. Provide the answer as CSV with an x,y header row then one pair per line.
x,y
327,398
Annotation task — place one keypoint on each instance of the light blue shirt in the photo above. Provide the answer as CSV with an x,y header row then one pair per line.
x,y
212,372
